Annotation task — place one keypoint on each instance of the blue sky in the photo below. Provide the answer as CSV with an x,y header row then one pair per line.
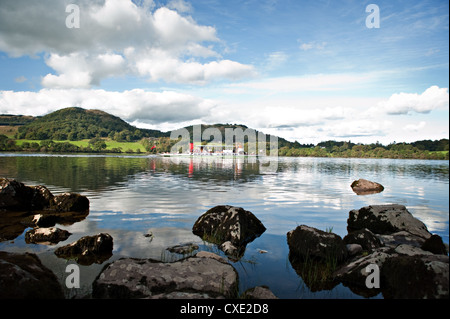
x,y
304,70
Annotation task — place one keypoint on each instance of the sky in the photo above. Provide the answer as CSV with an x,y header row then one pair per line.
x,y
308,71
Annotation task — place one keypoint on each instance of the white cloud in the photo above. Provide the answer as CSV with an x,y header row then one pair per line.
x,y
406,103
144,106
116,37
415,127
180,6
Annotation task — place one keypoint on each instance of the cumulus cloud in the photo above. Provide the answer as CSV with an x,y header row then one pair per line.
x,y
133,105
406,103
115,37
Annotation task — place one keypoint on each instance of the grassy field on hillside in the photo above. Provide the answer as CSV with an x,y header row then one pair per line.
x,y
126,147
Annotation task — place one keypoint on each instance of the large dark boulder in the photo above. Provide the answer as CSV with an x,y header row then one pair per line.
x,y
69,202
311,243
230,227
88,250
24,206
202,276
414,277
386,219
22,276
15,196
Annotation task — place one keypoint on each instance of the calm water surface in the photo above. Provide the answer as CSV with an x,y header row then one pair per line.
x,y
132,196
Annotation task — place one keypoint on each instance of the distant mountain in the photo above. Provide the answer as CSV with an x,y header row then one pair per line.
x,y
76,123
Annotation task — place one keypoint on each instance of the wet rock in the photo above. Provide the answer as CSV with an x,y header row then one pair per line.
x,y
314,254
24,206
50,235
354,273
259,292
308,242
407,269
353,249
414,277
41,197
231,224
15,196
22,276
435,245
88,250
146,278
386,219
365,187
184,249
363,237
399,238
69,202
230,250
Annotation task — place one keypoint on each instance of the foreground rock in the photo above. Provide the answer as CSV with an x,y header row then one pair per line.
x,y
22,276
412,263
230,227
201,276
258,292
385,241
88,250
15,196
386,219
51,235
30,206
311,243
314,255
365,187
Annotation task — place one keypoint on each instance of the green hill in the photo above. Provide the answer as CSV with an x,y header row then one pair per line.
x,y
221,127
76,124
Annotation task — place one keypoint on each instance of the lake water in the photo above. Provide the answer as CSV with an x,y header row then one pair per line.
x,y
131,196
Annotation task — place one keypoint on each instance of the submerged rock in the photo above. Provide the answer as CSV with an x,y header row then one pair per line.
x,y
365,187
88,250
50,235
22,276
222,224
193,277
184,249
